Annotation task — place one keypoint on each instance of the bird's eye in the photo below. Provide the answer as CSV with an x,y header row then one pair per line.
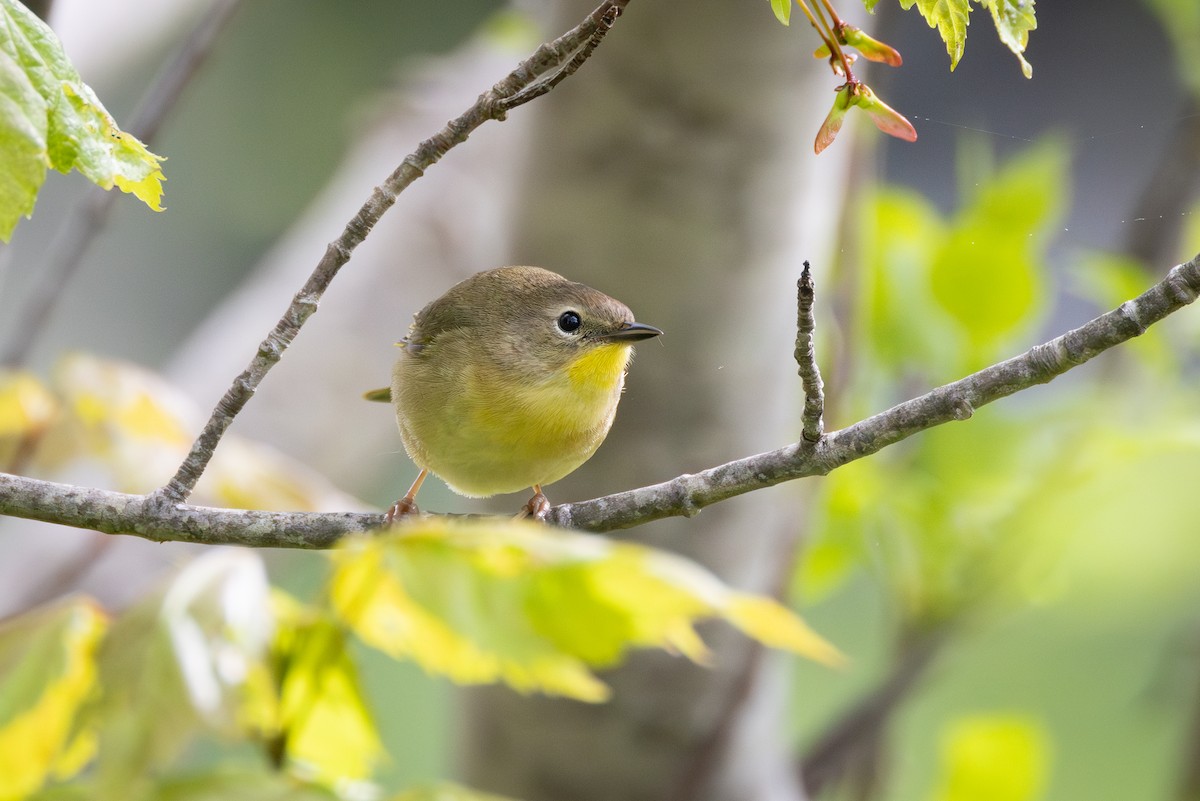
x,y
569,322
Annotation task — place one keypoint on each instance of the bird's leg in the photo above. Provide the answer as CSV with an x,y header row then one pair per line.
x,y
537,507
408,504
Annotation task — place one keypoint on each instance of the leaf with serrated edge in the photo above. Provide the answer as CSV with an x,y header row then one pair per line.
x,y
951,18
535,607
1014,20
50,117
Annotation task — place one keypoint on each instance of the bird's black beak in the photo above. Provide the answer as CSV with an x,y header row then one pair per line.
x,y
631,332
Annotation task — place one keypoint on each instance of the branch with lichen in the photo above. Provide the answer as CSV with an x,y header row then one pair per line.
x,y
149,517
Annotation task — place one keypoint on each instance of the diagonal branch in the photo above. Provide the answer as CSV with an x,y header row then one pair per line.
x,y
150,517
493,104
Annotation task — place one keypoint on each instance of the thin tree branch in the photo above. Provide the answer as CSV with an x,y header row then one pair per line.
x,y
493,104
151,517
688,494
90,215
147,517
806,359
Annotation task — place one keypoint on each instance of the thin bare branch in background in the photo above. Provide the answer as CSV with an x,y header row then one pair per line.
x,y
554,60
90,214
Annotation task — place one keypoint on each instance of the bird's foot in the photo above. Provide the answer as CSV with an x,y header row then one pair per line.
x,y
405,507
537,508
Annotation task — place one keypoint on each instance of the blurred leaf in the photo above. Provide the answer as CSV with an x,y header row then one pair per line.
x,y
47,671
221,784
323,719
783,10
904,233
179,663
1014,20
53,119
445,792
128,423
26,409
537,608
994,758
950,17
1181,21
987,272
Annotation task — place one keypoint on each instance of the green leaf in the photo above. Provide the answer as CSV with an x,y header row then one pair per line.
x,y
182,662
951,18
47,671
1014,20
1181,21
50,118
994,758
987,274
783,10
535,607
323,719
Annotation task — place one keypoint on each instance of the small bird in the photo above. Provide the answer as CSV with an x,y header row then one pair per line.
x,y
510,380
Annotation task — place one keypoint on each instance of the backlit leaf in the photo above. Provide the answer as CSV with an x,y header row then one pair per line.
x,y
994,758
47,671
323,719
51,118
26,409
535,607
950,17
985,273
783,10
133,427
1014,20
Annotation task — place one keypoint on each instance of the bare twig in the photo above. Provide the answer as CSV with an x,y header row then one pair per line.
x,y
806,359
493,104
92,212
153,518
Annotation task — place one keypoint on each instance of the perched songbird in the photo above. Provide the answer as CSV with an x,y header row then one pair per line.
x,y
510,380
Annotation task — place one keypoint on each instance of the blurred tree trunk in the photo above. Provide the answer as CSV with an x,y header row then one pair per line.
x,y
676,172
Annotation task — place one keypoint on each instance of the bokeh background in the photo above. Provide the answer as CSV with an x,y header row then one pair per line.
x,y
1017,594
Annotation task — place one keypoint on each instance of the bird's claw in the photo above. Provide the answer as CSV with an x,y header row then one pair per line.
x,y
404,507
537,508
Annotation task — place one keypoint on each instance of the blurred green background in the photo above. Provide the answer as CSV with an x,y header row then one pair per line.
x,y
1048,546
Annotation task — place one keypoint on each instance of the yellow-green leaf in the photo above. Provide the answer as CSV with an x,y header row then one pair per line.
x,y
51,118
535,607
783,10
994,758
951,18
1014,20
26,409
323,720
47,671
985,274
